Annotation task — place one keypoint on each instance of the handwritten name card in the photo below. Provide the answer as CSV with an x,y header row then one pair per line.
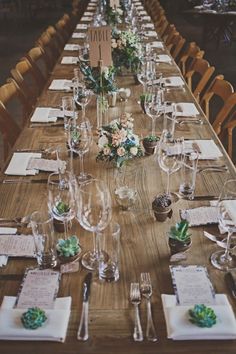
x,y
100,46
114,3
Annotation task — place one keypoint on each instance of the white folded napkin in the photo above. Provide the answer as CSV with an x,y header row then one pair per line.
x,y
86,19
148,25
45,115
186,109
69,60
158,45
19,162
179,327
72,47
163,58
88,13
54,329
78,35
61,85
139,7
230,206
82,26
208,149
6,231
142,13
146,18
151,34
173,81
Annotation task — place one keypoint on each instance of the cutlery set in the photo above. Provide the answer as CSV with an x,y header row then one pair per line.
x,y
144,290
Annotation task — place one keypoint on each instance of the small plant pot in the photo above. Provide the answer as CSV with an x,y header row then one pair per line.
x,y
64,260
161,214
149,147
58,225
177,246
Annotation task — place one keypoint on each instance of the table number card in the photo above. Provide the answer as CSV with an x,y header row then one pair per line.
x,y
17,245
39,288
114,3
100,46
192,285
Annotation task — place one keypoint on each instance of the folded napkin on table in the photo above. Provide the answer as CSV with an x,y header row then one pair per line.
x,y
151,34
46,114
78,35
19,162
208,150
186,109
158,45
54,329
163,58
180,328
200,216
148,25
61,85
173,81
82,26
146,18
86,18
88,13
69,60
142,13
71,47
6,231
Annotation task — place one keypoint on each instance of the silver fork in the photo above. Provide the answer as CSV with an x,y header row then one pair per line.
x,y
146,291
135,298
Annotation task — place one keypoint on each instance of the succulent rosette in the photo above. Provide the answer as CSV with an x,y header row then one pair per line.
x,y
33,318
117,141
202,316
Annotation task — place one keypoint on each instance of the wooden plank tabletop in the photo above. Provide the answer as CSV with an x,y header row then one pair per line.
x,y
144,246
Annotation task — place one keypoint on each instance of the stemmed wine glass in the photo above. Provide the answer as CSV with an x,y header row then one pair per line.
x,y
153,104
146,73
61,201
94,215
169,156
227,223
82,96
80,138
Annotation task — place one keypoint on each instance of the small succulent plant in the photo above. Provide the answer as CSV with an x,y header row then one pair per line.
x,y
69,247
33,318
62,208
161,201
179,232
202,316
151,138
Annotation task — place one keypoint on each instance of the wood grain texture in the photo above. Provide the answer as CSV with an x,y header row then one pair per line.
x,y
144,245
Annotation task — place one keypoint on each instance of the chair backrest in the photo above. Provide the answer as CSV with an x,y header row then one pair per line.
x,y
27,80
198,76
57,37
49,45
215,97
192,53
224,116
37,58
161,25
9,132
228,137
169,34
15,102
176,45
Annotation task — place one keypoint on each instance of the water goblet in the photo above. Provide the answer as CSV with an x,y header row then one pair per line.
x,y
82,96
153,104
94,214
226,206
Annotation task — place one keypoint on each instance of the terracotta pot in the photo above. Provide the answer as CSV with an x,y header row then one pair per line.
x,y
149,147
64,259
161,214
177,246
58,225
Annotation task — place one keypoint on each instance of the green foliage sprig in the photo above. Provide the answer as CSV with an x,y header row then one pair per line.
x,y
179,232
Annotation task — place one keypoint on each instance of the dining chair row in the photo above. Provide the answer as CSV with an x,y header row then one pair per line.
x,y
215,95
18,96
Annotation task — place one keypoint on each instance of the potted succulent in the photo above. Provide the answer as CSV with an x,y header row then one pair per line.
x,y
179,238
60,209
161,206
150,143
68,249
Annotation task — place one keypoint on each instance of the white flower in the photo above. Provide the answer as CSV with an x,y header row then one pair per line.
x,y
102,141
106,151
119,11
113,43
121,151
134,150
105,71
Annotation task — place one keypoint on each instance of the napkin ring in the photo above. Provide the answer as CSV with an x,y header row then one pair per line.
x,y
202,316
33,318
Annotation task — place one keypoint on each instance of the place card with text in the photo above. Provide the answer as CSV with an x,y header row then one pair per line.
x,y
114,3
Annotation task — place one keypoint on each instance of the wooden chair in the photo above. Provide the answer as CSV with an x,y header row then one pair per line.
x,y
15,102
228,137
63,29
186,60
9,132
57,37
169,34
198,76
215,97
49,45
37,58
224,116
176,45
161,25
28,80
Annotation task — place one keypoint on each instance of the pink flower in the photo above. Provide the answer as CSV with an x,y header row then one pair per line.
x,y
121,151
106,151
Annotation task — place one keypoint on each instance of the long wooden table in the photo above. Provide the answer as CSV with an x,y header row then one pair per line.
x,y
144,246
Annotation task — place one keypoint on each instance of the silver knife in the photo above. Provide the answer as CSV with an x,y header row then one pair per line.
x,y
82,333
12,181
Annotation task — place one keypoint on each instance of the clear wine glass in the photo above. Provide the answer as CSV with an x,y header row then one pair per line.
x,y
82,96
169,156
153,104
226,206
61,201
80,138
94,215
146,73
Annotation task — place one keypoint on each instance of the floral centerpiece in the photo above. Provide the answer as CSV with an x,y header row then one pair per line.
x,y
113,16
126,50
117,141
